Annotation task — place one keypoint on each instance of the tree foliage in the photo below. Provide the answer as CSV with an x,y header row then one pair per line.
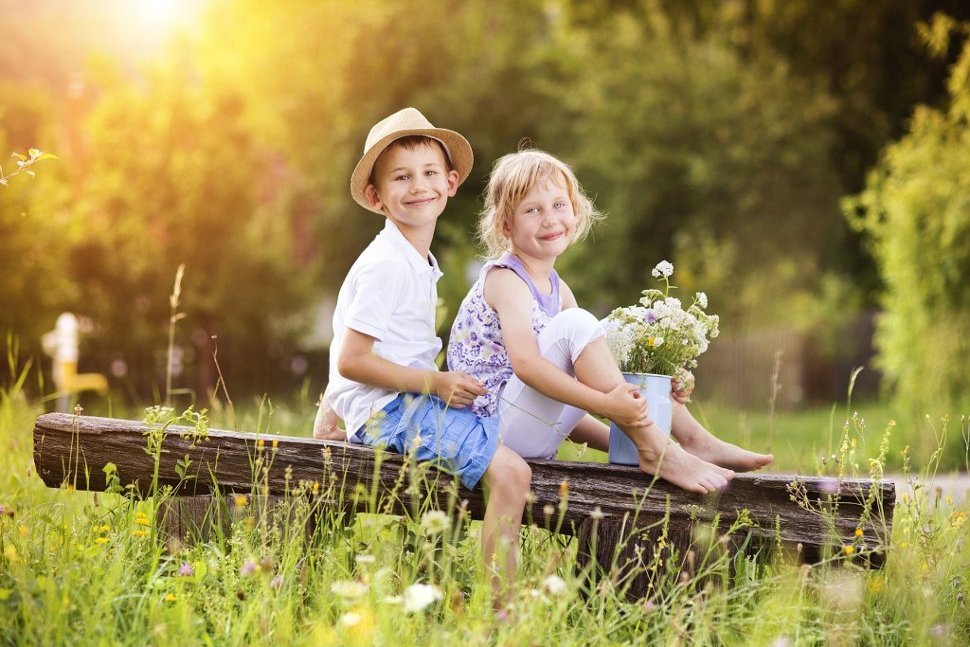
x,y
915,210
719,135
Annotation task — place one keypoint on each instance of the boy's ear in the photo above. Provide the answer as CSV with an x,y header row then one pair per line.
x,y
373,200
452,183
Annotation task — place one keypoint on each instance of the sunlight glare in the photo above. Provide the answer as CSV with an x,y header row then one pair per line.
x,y
162,15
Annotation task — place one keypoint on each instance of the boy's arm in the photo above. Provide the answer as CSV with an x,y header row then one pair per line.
x,y
510,298
359,362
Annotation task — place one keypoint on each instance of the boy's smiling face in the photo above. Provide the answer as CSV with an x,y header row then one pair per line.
x,y
412,185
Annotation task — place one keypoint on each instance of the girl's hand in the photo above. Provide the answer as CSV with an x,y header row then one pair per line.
x,y
682,386
457,389
626,406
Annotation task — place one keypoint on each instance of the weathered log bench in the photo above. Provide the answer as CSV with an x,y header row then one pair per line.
x,y
618,514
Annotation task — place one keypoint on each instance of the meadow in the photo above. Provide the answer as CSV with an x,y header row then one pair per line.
x,y
96,569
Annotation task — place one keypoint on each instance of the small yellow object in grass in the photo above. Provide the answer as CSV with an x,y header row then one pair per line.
x,y
241,500
170,597
858,532
260,443
848,550
105,528
139,533
276,443
23,530
142,521
101,540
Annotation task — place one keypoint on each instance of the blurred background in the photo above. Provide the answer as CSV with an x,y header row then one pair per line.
x,y
804,163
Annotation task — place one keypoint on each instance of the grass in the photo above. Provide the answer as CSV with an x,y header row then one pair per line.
x,y
84,568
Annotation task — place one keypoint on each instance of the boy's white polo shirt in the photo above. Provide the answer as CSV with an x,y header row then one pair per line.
x,y
391,294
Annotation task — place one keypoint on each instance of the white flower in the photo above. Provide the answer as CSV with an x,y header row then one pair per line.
x,y
554,585
350,619
418,596
435,522
348,589
364,558
701,299
664,268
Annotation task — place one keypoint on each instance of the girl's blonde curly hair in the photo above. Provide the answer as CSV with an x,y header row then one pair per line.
x,y
512,177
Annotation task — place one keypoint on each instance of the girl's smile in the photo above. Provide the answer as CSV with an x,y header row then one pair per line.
x,y
543,223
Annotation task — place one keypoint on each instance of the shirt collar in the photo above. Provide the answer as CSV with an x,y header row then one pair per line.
x,y
402,244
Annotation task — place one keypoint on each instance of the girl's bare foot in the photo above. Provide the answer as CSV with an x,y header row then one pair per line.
x,y
697,440
668,460
714,450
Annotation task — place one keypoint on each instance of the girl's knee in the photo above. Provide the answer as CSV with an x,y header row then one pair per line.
x,y
579,319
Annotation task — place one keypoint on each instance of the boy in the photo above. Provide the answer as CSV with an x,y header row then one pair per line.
x,y
384,383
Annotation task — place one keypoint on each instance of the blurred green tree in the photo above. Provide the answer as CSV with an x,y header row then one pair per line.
x,y
185,182
915,210
715,162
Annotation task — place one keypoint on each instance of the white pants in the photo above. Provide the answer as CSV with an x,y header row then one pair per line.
x,y
530,423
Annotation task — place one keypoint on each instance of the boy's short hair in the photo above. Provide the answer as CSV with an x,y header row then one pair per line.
x,y
512,177
409,143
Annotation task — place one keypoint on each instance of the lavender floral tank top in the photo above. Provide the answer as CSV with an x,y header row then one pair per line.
x,y
476,345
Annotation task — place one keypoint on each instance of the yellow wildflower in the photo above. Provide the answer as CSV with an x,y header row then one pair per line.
x,y
142,521
101,540
105,528
276,443
858,532
848,550
139,533
260,444
170,597
10,552
23,530
241,500
876,584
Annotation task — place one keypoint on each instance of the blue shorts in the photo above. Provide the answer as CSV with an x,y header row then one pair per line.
x,y
454,440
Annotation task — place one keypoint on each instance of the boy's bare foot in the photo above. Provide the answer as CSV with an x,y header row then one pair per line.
x,y
668,460
326,425
714,450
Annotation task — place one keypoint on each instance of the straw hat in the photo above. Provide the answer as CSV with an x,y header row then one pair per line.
x,y
402,124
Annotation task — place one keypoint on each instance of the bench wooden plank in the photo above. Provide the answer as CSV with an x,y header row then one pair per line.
x,y
74,449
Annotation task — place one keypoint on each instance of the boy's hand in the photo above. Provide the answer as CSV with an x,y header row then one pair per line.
x,y
626,406
457,389
682,386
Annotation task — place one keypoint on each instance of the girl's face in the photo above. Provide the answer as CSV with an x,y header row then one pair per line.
x,y
543,223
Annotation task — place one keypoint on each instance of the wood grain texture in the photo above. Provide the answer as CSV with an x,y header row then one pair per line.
x,y
74,449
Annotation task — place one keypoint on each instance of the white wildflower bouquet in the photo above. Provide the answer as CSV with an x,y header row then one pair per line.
x,y
659,335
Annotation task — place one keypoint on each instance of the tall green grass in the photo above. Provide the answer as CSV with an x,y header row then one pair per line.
x,y
86,568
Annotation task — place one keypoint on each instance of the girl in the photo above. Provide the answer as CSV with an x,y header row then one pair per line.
x,y
543,360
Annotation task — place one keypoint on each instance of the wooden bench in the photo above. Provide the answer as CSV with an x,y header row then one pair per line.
x,y
618,514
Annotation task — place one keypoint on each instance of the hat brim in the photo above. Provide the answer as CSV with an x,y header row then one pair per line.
x,y
460,151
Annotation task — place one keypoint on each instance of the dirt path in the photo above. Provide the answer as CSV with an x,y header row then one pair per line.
x,y
954,484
